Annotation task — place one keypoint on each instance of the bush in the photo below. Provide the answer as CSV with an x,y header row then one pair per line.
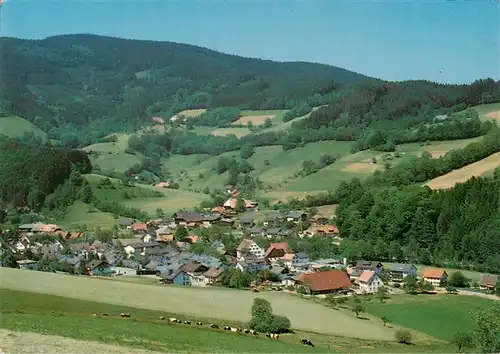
x,y
403,336
263,319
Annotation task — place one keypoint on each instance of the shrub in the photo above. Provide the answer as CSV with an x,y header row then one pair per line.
x,y
263,319
403,336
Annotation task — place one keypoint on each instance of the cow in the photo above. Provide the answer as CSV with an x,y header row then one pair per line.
x,y
199,323
272,335
247,331
95,315
214,326
187,322
105,315
307,342
227,328
254,332
124,315
172,319
162,318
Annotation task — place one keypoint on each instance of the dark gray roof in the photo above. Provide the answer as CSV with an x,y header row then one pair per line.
x,y
256,230
402,267
295,214
126,221
277,270
273,231
245,219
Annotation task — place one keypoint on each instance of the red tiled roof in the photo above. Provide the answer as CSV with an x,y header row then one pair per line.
x,y
139,227
366,276
327,280
431,273
328,229
278,246
288,256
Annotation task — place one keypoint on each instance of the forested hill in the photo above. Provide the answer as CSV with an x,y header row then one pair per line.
x,y
85,80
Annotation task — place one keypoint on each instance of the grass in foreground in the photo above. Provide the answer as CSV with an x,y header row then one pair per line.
x,y
54,315
440,316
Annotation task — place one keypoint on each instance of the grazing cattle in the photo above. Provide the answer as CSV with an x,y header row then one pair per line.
x,y
214,326
95,315
247,331
254,332
268,335
172,319
227,328
307,342
272,335
235,329
187,322
199,323
178,321
105,314
124,315
162,318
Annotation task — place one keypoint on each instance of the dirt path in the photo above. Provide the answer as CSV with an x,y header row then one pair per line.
x,y
26,342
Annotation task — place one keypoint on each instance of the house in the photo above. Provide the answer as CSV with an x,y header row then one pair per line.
x,y
125,223
292,260
489,282
188,218
210,219
50,252
214,275
271,220
325,282
272,232
369,282
399,271
49,228
376,266
276,251
319,219
256,231
98,267
296,216
164,234
327,230
195,271
177,277
140,248
246,221
139,228
354,273
249,247
250,263
437,277
231,204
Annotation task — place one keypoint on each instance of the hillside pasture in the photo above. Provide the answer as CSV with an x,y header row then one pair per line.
x,y
16,127
488,111
238,132
435,148
258,117
111,156
463,174
144,197
80,213
440,316
220,304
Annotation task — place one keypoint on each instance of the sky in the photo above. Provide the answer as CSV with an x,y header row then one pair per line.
x,y
449,41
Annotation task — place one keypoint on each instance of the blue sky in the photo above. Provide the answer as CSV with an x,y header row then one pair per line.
x,y
446,41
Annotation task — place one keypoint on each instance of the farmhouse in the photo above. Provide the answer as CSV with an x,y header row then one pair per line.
x,y
246,221
125,223
139,228
293,260
436,277
369,282
177,277
489,282
194,219
231,204
271,220
296,216
250,263
399,271
276,251
319,220
214,275
325,282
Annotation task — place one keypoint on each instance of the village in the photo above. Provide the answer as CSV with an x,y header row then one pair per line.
x,y
165,250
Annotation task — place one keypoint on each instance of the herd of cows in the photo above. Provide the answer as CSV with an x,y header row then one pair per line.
x,y
214,326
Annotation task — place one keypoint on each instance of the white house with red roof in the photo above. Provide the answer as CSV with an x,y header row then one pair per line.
x,y
369,282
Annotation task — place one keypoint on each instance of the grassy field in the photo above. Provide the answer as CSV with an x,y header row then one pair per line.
x,y
210,303
238,132
440,316
259,117
29,342
461,175
82,214
111,156
15,127
145,197
489,111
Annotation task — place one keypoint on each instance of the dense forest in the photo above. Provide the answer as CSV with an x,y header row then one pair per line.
x,y
82,87
30,170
